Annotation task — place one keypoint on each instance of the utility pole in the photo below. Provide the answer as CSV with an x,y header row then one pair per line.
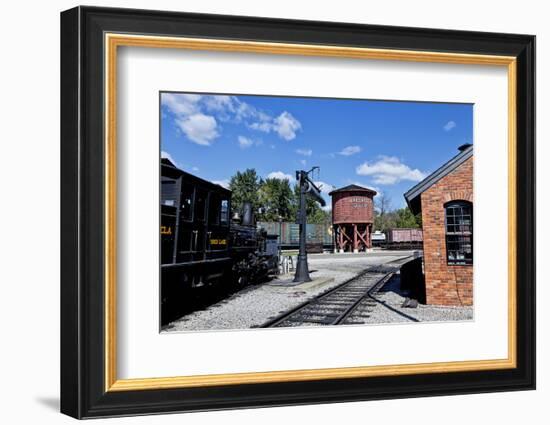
x,y
306,187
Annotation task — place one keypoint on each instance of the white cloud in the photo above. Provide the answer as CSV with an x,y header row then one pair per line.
x,y
199,128
266,127
350,150
218,103
245,142
305,152
195,168
280,176
189,109
389,170
180,103
324,187
262,116
243,110
164,154
303,162
230,108
286,126
449,126
222,183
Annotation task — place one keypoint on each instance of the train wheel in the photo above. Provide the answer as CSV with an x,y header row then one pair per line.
x,y
242,282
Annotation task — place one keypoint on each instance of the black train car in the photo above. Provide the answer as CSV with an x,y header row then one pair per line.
x,y
200,246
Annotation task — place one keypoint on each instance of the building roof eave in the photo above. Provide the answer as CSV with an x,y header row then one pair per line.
x,y
412,196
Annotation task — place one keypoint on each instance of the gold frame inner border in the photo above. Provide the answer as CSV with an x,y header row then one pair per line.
x,y
113,41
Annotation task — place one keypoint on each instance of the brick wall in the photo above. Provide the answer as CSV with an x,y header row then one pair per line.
x,y
445,284
352,207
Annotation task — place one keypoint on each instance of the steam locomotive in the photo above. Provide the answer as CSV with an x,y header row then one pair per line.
x,y
202,246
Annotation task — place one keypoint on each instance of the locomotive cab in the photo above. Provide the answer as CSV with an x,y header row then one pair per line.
x,y
194,235
200,246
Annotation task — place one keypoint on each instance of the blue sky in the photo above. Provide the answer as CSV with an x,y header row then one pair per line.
x,y
385,145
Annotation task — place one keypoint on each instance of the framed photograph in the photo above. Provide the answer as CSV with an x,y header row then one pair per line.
x,y
261,212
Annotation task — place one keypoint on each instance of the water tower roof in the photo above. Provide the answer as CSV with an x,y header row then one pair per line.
x,y
354,188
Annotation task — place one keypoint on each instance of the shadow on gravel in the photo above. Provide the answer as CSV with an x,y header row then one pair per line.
x,y
206,298
393,285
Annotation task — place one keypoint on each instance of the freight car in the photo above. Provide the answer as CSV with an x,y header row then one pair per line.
x,y
403,238
318,235
201,246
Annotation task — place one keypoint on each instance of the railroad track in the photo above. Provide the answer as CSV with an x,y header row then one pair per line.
x,y
346,304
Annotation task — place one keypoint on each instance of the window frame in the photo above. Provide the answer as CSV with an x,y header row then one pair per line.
x,y
165,181
227,221
184,184
460,234
202,218
214,200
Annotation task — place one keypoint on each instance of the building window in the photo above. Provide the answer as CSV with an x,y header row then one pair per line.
x,y
459,232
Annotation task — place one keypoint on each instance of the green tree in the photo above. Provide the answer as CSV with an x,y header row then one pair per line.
x,y
387,218
276,200
400,218
384,219
245,187
418,218
405,218
319,216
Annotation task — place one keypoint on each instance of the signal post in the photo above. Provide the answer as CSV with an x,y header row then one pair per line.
x,y
307,187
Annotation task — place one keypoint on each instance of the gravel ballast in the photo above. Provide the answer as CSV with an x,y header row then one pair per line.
x,y
390,299
256,305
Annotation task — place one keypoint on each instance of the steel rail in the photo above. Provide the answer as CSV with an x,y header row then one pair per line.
x,y
349,306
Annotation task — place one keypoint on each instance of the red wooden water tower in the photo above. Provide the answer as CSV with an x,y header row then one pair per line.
x,y
352,218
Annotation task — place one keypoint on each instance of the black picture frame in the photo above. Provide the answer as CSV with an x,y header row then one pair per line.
x,y
83,392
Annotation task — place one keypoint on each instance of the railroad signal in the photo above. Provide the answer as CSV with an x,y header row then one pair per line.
x,y
307,187
310,187
315,192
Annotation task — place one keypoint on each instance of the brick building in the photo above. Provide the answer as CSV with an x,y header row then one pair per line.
x,y
445,199
352,218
